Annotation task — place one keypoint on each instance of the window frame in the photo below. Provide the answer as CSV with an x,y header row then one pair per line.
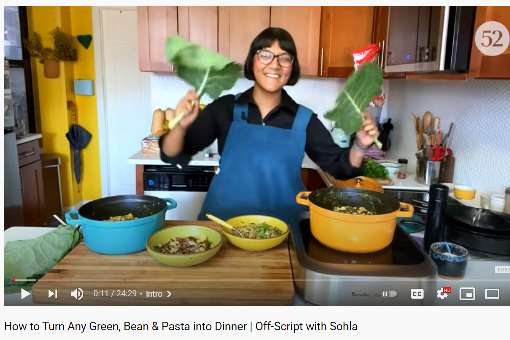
x,y
25,64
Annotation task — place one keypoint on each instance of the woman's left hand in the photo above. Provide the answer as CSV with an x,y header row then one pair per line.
x,y
369,129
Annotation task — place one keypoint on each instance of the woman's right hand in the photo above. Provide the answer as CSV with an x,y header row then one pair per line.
x,y
184,106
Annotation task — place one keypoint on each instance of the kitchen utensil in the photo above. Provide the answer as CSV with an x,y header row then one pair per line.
x,y
427,172
447,138
464,192
411,225
436,214
256,244
417,132
360,183
437,153
184,260
59,219
451,265
231,278
223,223
478,229
353,233
120,237
427,120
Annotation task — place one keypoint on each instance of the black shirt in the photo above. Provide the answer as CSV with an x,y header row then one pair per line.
x,y
215,119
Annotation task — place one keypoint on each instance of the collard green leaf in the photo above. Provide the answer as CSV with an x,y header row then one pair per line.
x,y
33,258
207,71
359,90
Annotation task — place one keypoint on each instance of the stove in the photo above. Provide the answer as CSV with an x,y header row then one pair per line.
x,y
325,276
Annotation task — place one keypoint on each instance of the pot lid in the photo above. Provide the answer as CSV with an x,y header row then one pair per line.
x,y
361,182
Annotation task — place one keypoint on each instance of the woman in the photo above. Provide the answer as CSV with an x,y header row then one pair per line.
x,y
262,138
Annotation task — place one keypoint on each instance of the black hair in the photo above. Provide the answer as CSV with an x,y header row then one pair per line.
x,y
264,40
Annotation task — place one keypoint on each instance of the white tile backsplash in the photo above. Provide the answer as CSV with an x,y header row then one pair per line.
x,y
314,93
480,111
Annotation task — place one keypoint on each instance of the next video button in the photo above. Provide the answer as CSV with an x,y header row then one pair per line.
x,y
502,269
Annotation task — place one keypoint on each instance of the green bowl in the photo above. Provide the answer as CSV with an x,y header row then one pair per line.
x,y
184,260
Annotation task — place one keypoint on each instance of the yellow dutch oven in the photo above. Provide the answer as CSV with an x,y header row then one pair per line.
x,y
353,233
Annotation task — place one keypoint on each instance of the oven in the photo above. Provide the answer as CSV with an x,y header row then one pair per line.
x,y
187,187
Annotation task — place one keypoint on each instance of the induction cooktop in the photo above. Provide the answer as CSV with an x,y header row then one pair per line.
x,y
325,276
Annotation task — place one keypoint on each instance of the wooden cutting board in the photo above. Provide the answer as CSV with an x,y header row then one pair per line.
x,y
232,277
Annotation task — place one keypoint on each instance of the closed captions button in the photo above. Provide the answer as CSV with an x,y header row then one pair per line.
x,y
417,294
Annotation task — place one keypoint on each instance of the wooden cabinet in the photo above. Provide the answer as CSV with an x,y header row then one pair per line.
x,y
344,29
157,23
237,28
481,65
31,180
304,24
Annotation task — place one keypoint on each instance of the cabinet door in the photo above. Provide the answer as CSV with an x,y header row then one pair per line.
x,y
199,24
481,65
155,25
304,24
32,194
380,30
344,29
238,26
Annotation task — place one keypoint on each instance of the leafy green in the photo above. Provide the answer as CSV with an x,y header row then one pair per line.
x,y
32,259
375,170
359,90
205,70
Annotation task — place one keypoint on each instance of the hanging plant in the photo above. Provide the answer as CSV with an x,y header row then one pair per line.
x,y
62,50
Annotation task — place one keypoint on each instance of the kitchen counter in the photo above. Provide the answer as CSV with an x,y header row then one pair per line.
x,y
28,138
199,159
481,272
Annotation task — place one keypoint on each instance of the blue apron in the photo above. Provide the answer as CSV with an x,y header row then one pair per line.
x,y
259,170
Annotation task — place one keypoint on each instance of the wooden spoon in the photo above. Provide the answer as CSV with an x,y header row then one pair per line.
x,y
427,120
223,223
417,132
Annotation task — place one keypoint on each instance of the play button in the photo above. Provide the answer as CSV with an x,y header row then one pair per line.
x,y
24,293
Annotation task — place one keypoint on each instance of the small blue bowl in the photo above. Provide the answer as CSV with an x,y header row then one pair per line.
x,y
451,266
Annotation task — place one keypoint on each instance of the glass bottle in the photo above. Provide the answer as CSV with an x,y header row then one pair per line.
x,y
402,168
506,210
19,122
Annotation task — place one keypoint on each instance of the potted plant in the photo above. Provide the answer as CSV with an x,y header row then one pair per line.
x,y
62,51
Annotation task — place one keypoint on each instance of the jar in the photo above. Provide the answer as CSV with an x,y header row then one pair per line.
x,y
506,210
497,202
402,168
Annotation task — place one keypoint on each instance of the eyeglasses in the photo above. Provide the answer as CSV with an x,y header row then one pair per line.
x,y
267,57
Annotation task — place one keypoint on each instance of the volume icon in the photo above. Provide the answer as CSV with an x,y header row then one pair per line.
x,y
77,293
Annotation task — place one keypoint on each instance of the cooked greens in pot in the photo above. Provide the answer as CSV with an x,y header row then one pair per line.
x,y
187,245
345,209
127,217
259,231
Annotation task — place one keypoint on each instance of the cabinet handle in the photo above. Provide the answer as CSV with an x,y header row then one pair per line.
x,y
382,55
173,68
322,59
26,154
21,182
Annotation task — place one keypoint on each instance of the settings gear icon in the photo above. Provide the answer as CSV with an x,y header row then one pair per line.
x,y
441,295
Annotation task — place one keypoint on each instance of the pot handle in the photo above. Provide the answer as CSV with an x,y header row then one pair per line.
x,y
73,221
406,210
302,198
172,204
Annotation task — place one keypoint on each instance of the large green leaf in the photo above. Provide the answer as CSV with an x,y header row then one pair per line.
x,y
207,71
34,258
359,90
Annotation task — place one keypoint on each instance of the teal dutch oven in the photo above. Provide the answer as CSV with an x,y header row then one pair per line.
x,y
120,237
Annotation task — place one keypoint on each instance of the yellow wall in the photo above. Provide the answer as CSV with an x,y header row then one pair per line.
x,y
51,96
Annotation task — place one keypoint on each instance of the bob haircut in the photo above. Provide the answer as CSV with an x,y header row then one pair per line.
x,y
264,40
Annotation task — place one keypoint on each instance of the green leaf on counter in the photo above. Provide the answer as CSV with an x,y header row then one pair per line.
x,y
207,71
360,89
375,170
27,259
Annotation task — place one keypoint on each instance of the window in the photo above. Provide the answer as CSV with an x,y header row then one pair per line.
x,y
15,30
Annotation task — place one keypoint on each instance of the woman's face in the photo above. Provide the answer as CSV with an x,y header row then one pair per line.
x,y
269,74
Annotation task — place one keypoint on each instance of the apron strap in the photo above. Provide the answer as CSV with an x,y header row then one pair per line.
x,y
302,119
240,111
